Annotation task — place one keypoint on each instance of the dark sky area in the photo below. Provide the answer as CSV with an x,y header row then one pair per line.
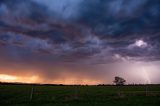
x,y
79,41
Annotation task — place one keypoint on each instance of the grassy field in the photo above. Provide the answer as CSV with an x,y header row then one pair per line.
x,y
29,95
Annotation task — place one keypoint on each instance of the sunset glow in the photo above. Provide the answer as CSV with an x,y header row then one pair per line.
x,y
35,79
7,78
10,78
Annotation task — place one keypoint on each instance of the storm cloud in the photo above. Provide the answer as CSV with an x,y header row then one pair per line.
x,y
57,39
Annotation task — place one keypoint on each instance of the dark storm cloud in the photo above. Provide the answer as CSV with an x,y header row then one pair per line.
x,y
121,17
48,34
83,31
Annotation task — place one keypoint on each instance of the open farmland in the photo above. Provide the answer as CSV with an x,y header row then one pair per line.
x,y
47,95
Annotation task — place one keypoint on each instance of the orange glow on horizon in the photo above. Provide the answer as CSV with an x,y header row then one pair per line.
x,y
4,77
10,78
36,79
74,81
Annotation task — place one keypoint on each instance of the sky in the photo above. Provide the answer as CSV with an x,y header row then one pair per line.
x,y
80,41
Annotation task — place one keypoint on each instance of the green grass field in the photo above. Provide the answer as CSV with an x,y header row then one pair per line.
x,y
21,95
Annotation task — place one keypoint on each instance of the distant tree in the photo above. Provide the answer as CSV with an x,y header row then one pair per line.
x,y
119,80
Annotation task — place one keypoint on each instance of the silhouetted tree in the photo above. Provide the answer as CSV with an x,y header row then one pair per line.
x,y
119,80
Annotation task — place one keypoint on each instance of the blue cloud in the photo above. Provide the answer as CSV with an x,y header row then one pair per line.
x,y
114,23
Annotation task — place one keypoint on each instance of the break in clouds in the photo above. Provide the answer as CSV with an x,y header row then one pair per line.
x,y
80,41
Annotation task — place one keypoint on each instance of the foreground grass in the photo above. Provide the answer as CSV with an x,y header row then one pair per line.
x,y
20,95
